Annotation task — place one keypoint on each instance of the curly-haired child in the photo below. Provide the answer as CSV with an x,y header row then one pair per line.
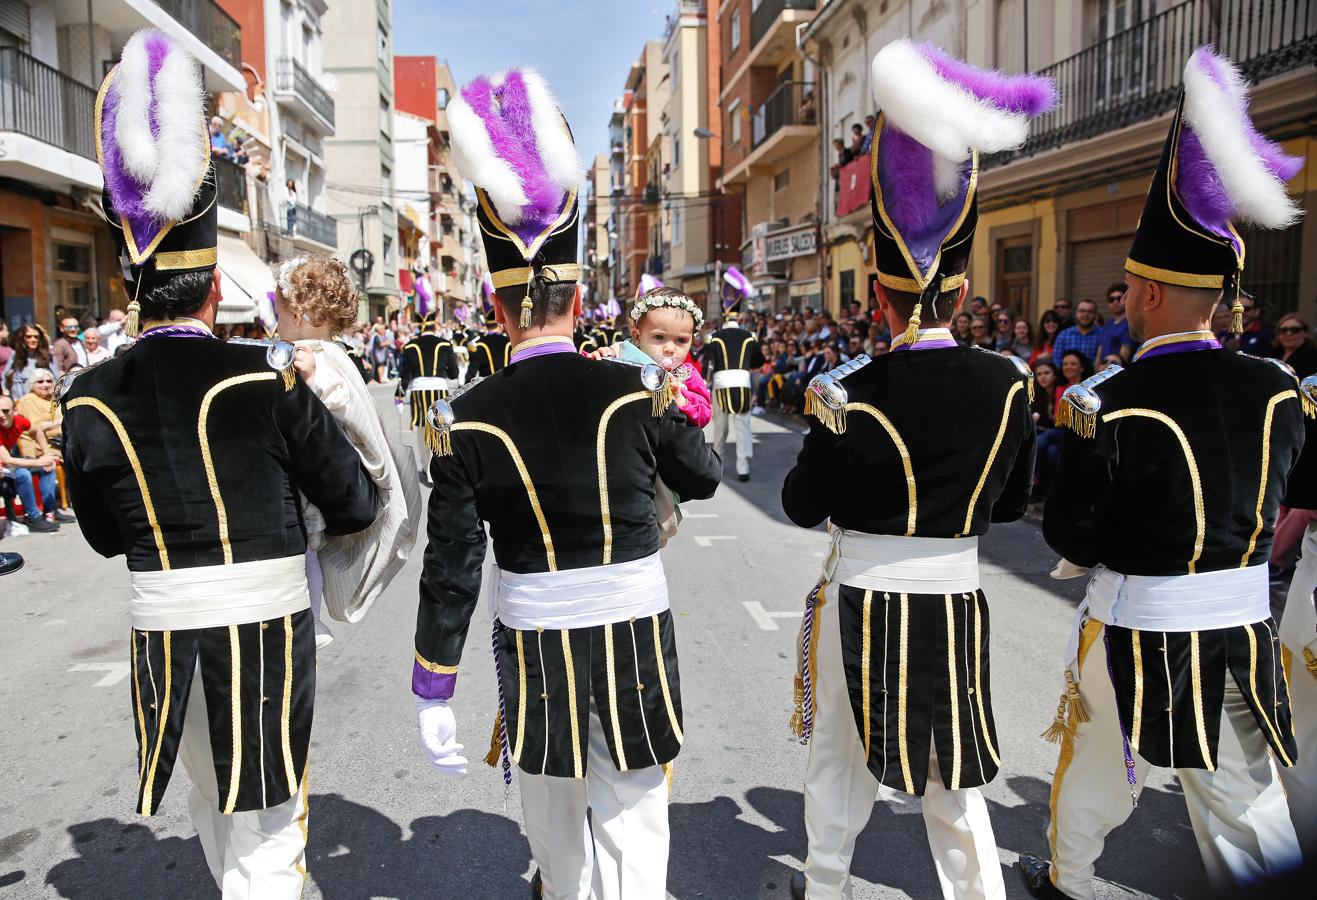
x,y
315,302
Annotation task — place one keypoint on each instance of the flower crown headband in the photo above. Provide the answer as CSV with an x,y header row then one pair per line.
x,y
284,278
681,302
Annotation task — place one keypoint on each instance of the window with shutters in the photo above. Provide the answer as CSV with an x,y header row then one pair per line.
x,y
15,24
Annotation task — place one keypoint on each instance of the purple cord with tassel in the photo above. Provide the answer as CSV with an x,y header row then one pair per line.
x,y
504,752
807,641
1130,775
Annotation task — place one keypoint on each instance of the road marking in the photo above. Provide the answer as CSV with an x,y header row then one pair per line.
x,y
115,672
706,540
763,618
687,515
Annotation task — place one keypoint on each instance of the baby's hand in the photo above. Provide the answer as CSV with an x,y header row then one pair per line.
x,y
682,402
608,352
304,361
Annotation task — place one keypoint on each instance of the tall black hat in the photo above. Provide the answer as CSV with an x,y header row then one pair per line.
x,y
154,150
937,113
510,139
1216,169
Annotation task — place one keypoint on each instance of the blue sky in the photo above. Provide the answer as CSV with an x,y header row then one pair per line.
x,y
584,48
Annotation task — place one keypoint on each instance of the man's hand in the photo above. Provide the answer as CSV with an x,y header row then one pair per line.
x,y
608,352
304,361
438,728
46,462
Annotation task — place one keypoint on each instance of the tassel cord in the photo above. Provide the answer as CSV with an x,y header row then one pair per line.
x,y
501,720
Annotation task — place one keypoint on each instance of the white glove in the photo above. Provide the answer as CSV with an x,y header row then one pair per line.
x,y
438,728
1065,569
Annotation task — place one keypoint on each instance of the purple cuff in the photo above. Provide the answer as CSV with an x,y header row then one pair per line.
x,y
432,685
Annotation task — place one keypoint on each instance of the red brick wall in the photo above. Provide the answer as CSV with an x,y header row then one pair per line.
x,y
414,85
250,16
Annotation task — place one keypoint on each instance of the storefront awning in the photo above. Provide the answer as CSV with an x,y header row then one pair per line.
x,y
243,279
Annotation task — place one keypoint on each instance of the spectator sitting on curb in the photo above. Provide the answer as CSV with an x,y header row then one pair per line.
x,y
29,475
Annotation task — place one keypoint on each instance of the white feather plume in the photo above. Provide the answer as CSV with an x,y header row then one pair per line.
x,y
475,159
552,139
940,114
132,127
182,150
1218,115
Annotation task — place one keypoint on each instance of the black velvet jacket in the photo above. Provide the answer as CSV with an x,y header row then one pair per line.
x,y
938,443
557,454
1186,469
731,348
190,452
489,354
428,356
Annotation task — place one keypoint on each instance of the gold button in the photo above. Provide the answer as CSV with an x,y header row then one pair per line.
x,y
971,692
153,706
640,687
633,620
265,699
539,630
265,626
544,696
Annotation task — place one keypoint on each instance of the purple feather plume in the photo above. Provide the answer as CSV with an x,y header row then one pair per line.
x,y
1028,94
508,118
127,194
905,171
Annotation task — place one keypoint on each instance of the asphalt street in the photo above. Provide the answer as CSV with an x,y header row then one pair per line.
x,y
383,824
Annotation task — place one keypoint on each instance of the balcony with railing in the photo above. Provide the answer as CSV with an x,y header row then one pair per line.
x,y
1136,74
212,26
230,184
791,104
684,8
304,222
294,84
771,12
45,104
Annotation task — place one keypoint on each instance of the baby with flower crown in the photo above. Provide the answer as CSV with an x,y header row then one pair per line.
x,y
663,326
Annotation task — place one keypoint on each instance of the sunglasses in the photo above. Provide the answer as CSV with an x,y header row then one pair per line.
x,y
979,327
1291,329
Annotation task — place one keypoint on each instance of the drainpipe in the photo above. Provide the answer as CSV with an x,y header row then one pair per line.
x,y
821,91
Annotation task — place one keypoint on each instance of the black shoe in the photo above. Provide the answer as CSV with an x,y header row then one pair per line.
x,y
41,525
10,563
745,477
1038,877
797,886
536,886
62,517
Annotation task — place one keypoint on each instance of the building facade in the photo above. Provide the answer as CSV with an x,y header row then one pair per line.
x,y
358,55
770,145
639,236
55,252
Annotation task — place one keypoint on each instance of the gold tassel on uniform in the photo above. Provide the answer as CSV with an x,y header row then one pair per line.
x,y
1081,423
439,442
290,377
526,306
495,742
1237,317
832,419
1078,713
132,324
1309,404
797,723
1310,661
664,397
1029,388
912,330
1058,728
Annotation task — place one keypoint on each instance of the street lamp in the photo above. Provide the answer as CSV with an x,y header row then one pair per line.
x,y
704,134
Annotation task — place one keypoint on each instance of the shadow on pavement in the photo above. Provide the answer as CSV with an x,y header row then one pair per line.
x,y
717,852
354,852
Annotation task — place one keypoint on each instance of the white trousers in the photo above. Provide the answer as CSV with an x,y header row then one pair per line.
x,y
626,856
745,447
420,450
1296,627
840,792
257,855
1238,813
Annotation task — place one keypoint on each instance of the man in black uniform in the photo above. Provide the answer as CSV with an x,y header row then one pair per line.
x,y
589,692
910,456
490,351
1168,491
187,455
429,370
729,355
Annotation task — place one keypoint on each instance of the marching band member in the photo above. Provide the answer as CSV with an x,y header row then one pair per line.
x,y
1175,660
429,370
910,456
185,455
729,354
589,693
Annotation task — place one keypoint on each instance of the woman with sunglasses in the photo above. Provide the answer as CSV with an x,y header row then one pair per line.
x,y
31,352
1294,345
1003,334
979,335
45,435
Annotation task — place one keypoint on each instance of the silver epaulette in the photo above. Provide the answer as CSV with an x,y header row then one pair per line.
x,y
1080,403
825,398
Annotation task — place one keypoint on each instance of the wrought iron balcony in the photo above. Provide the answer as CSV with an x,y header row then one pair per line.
x,y
762,19
793,103
212,25
1136,74
294,79
302,221
230,184
45,104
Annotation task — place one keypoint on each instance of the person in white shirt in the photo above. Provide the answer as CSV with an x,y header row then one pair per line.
x,y
92,347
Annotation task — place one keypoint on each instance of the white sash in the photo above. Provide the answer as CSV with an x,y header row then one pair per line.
x,y
905,565
579,598
428,383
725,379
213,596
1198,602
